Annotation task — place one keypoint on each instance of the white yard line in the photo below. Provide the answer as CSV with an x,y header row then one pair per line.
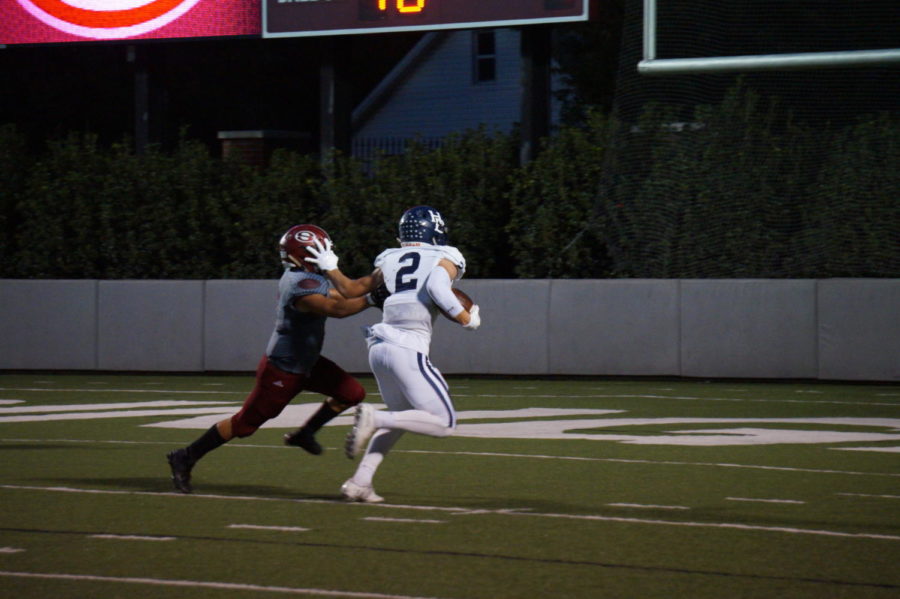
x,y
203,584
94,407
500,512
652,462
412,520
794,501
870,495
211,409
684,397
109,441
277,528
879,448
500,454
131,538
645,506
92,390
722,525
488,395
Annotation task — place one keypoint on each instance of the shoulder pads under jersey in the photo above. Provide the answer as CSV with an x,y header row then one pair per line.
x,y
307,283
379,260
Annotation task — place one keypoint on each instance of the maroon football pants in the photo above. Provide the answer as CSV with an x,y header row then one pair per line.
x,y
275,388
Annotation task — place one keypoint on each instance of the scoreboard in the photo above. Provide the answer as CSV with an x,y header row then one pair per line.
x,y
54,21
289,18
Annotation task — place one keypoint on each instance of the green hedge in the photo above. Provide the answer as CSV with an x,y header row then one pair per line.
x,y
554,230
739,191
742,191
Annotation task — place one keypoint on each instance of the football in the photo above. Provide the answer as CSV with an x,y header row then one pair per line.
x,y
463,298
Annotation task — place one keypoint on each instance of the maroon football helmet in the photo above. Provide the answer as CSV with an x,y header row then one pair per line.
x,y
293,245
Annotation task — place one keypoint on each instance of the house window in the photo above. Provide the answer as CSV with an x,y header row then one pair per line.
x,y
485,56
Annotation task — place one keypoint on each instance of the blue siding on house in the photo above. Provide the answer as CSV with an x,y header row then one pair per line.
x,y
439,96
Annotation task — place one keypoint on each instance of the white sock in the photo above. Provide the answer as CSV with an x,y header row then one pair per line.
x,y
382,442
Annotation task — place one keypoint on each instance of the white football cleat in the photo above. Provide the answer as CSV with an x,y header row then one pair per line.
x,y
354,492
362,431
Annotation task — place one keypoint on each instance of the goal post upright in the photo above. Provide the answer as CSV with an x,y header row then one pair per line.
x,y
651,65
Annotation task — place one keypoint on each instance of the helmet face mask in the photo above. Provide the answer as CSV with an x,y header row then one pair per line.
x,y
294,242
423,224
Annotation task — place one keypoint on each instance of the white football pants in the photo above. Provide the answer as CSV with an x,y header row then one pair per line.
x,y
417,398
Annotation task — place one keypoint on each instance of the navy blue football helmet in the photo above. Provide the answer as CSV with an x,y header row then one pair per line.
x,y
423,224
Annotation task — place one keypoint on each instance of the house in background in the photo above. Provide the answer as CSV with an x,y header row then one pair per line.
x,y
450,82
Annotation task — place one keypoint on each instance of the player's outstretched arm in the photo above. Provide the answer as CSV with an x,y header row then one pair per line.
x,y
327,261
334,305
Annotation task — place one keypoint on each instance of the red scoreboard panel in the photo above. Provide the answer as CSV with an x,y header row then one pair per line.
x,y
52,21
283,18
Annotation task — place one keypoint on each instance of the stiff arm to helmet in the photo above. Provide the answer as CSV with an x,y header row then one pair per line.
x,y
322,255
295,244
326,260
418,225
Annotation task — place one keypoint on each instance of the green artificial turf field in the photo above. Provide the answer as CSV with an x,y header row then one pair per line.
x,y
551,488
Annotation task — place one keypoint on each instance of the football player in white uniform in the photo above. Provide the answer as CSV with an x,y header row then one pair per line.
x,y
418,276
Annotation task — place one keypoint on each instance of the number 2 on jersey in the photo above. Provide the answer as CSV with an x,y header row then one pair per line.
x,y
404,280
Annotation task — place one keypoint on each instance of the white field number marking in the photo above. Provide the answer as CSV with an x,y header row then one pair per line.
x,y
526,423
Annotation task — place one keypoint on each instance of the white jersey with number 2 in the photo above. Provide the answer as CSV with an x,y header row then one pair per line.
x,y
409,312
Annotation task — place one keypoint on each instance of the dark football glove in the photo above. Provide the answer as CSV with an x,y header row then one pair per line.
x,y
377,296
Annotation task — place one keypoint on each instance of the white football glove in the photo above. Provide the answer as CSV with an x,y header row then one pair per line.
x,y
324,258
474,319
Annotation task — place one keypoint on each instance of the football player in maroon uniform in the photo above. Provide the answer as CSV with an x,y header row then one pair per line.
x,y
293,360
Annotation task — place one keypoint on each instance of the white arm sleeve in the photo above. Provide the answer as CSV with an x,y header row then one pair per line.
x,y
438,287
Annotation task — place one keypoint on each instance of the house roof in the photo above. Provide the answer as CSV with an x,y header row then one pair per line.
x,y
400,73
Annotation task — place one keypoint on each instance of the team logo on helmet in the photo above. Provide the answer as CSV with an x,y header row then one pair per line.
x,y
107,19
423,224
437,220
305,237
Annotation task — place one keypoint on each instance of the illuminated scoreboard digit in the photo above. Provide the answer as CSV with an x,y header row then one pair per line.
x,y
376,10
284,18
